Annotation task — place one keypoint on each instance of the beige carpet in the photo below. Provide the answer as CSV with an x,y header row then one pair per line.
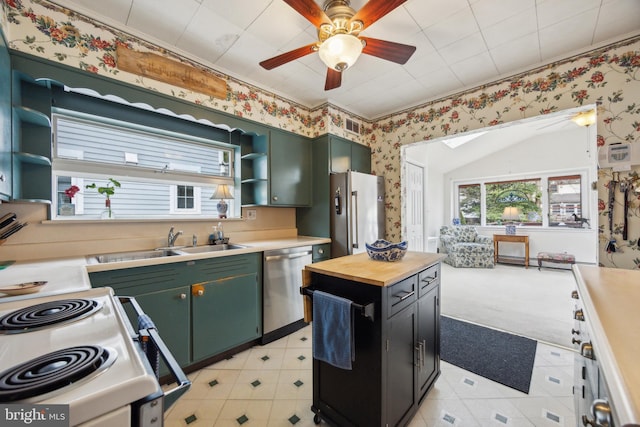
x,y
527,302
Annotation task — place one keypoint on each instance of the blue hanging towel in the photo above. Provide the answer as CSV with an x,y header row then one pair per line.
x,y
332,328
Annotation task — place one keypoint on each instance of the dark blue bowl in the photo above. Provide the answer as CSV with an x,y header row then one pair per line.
x,y
382,250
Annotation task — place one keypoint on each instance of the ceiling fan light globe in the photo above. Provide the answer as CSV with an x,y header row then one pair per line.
x,y
340,51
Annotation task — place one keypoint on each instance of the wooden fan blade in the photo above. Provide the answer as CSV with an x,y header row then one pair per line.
x,y
334,79
374,10
310,10
276,61
395,52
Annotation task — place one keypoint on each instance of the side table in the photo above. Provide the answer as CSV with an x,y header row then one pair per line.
x,y
510,238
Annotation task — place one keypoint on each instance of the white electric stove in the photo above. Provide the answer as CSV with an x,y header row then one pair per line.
x,y
79,349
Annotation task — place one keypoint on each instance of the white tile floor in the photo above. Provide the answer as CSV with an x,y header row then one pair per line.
x,y
271,385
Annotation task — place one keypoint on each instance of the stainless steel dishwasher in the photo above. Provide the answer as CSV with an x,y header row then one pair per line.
x,y
282,279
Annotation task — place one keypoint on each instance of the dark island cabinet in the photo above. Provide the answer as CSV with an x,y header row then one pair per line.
x,y
397,353
201,308
428,327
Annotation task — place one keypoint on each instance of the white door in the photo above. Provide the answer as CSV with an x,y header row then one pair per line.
x,y
415,206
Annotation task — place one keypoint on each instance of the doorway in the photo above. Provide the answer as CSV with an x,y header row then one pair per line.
x,y
414,219
549,143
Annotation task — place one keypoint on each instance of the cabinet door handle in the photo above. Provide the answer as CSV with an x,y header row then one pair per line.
x,y
586,350
275,198
405,296
287,256
197,290
578,315
601,412
354,221
429,279
183,296
574,295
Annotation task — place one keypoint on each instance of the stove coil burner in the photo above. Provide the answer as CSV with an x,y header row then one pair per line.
x,y
53,371
47,314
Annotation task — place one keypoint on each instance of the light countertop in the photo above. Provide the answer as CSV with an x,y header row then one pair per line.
x,y
63,275
361,268
71,274
610,297
252,246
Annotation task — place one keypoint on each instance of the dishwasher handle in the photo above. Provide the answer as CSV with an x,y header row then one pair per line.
x,y
288,256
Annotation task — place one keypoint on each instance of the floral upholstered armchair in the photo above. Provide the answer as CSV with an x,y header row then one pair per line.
x,y
464,247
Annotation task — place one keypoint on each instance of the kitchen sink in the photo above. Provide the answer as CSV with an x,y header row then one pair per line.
x,y
135,255
208,248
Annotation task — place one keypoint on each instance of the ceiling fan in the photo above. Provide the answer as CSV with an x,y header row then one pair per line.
x,y
339,42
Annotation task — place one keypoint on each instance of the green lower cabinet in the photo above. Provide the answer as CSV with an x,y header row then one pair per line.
x,y
169,309
321,252
225,315
201,308
163,293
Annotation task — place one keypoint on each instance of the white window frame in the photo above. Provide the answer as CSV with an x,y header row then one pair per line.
x,y
544,184
69,162
173,203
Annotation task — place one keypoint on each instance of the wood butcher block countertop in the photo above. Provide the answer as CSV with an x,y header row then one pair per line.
x,y
611,299
361,268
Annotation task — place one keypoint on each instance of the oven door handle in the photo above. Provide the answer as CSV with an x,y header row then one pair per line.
x,y
183,383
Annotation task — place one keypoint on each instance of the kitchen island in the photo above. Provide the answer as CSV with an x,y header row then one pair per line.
x,y
396,332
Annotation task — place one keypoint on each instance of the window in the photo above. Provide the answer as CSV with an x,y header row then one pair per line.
x,y
469,204
161,173
185,199
565,201
514,201
523,201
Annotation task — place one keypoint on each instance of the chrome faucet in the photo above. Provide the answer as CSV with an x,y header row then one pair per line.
x,y
171,238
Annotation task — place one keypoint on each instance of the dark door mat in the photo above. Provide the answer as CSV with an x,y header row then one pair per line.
x,y
499,356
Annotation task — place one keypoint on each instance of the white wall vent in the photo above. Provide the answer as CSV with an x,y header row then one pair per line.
x,y
352,126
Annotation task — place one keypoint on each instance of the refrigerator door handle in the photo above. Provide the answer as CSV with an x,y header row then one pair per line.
x,y
354,219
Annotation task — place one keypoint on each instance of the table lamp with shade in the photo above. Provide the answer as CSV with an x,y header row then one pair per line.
x,y
511,213
222,192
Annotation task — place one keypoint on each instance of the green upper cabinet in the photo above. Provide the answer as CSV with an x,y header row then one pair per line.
x,y
347,155
275,168
5,121
360,158
340,154
31,138
289,169
331,154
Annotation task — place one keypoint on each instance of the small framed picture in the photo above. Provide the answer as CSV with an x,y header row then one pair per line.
x,y
511,229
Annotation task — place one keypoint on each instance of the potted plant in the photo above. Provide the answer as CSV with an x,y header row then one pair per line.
x,y
68,208
107,191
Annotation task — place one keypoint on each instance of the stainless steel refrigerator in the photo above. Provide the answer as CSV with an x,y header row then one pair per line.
x,y
357,212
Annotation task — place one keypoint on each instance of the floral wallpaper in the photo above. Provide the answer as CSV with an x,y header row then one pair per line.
x,y
609,77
